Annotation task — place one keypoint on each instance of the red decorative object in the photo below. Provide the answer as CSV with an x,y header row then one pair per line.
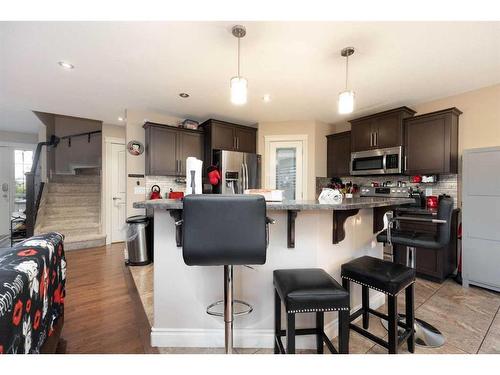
x,y
27,253
18,313
416,179
175,195
432,201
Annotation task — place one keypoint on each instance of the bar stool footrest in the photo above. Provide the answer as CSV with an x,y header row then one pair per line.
x,y
248,310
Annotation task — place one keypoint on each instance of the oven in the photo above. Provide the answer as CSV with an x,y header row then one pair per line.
x,y
379,161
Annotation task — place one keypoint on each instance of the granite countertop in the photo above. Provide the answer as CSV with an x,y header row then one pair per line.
x,y
347,204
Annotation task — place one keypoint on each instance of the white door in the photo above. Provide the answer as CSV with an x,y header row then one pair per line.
x,y
5,187
286,168
118,193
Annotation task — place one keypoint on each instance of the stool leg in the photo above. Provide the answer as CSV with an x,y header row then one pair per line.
x,y
228,309
365,303
277,321
320,324
392,312
290,333
344,331
346,284
410,316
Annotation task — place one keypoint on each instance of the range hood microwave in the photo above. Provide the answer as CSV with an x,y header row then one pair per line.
x,y
380,161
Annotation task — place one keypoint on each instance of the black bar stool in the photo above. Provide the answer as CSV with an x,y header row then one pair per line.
x,y
388,278
425,334
225,230
304,291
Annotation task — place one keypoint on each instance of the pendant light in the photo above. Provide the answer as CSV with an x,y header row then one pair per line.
x,y
239,85
346,97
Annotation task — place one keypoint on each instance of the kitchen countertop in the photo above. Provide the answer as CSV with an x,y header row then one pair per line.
x,y
347,204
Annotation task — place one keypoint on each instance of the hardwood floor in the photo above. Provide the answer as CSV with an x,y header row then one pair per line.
x,y
103,313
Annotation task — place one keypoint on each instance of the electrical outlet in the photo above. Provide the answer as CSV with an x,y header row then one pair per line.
x,y
428,192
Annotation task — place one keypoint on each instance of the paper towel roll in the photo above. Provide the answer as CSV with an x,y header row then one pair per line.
x,y
194,168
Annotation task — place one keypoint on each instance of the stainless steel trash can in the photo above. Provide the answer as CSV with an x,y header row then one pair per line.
x,y
138,242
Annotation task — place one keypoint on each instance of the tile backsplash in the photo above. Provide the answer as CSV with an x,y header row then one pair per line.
x,y
165,183
446,184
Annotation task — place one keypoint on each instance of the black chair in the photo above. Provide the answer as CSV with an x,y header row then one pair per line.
x,y
219,230
390,279
305,291
426,334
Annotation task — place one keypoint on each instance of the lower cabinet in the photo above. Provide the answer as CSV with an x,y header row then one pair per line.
x,y
431,264
167,148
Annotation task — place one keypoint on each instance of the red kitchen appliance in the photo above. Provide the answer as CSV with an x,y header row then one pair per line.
x,y
431,201
175,194
416,179
155,192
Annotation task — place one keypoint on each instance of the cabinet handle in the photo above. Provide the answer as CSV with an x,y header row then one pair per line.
x,y
405,163
371,140
237,143
376,138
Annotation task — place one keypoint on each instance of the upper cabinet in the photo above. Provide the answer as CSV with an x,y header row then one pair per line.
x,y
431,142
221,135
338,154
168,147
381,130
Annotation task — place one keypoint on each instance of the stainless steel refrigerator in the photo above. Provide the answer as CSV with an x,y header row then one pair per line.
x,y
239,171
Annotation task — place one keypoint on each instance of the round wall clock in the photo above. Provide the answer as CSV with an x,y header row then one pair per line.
x,y
135,148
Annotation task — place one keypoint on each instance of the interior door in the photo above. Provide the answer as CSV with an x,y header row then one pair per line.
x,y
5,187
118,192
286,168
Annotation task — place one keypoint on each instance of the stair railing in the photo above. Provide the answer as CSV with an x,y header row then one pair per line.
x,y
34,186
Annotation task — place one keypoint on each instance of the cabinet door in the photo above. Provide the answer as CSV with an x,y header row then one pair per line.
x,y
223,137
425,146
338,157
161,148
190,144
389,131
245,140
361,135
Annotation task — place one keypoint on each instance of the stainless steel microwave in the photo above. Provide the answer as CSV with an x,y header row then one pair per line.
x,y
379,161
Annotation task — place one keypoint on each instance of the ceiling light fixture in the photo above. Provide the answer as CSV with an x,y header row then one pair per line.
x,y
346,97
120,119
266,98
184,95
66,65
239,85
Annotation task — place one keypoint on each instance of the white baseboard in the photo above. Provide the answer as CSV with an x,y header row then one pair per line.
x,y
243,338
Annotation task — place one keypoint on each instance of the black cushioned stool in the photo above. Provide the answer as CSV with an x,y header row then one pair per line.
x,y
388,278
304,291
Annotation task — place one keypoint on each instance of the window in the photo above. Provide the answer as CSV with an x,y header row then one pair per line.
x,y
285,166
23,160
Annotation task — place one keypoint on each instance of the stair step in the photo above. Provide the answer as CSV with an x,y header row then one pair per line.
x,y
84,242
75,179
58,187
68,221
92,171
74,199
62,211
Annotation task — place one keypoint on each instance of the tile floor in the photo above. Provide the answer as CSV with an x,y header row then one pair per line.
x,y
469,318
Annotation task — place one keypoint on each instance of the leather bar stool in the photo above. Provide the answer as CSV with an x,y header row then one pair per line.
x,y
219,230
426,334
388,278
304,291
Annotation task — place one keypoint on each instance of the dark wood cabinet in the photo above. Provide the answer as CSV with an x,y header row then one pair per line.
x,y
338,154
431,143
380,130
167,148
221,135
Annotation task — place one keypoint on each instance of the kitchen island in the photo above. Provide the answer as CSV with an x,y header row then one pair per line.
x,y
306,234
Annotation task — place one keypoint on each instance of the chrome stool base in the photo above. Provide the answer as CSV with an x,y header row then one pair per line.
x,y
426,335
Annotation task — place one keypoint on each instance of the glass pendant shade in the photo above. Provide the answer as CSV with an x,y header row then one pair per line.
x,y
346,102
239,88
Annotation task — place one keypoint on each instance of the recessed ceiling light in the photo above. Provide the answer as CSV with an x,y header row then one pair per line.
x,y
184,95
266,98
120,119
66,65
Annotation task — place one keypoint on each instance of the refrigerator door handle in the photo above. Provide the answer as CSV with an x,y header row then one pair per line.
x,y
246,172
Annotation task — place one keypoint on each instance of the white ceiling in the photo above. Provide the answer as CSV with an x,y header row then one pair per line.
x,y
145,66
